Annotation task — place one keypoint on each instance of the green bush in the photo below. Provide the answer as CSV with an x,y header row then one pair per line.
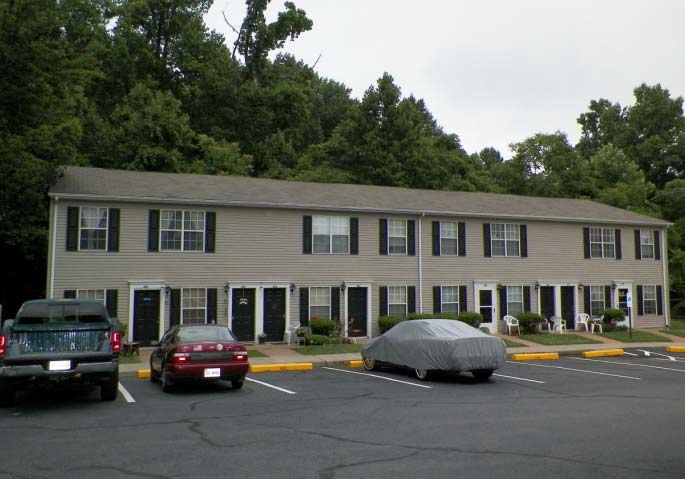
x,y
528,322
322,327
387,322
431,316
611,317
317,340
471,318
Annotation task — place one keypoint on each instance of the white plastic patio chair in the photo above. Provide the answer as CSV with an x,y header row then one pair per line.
x,y
544,324
596,323
291,334
559,324
511,323
583,319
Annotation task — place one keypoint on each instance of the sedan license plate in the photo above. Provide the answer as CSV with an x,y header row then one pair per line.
x,y
59,365
212,372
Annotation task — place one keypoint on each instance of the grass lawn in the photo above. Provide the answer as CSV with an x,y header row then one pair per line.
x,y
638,336
330,349
678,324
558,339
512,344
674,332
676,328
132,359
253,353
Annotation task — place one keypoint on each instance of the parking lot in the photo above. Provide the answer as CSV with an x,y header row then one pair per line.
x,y
574,417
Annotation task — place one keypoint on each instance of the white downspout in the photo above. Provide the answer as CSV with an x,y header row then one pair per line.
x,y
667,289
420,265
53,247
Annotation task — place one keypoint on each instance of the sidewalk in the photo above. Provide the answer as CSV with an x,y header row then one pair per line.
x,y
276,353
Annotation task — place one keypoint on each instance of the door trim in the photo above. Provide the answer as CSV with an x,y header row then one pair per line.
x,y
624,284
149,285
488,286
577,301
259,287
369,301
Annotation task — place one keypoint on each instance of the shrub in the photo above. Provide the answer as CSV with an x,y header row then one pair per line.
x,y
528,322
317,340
471,318
387,322
322,327
431,316
611,317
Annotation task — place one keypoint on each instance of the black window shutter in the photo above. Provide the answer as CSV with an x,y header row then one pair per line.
x,y
304,306
463,304
503,301
526,298
72,228
174,307
411,237
153,231
354,235
437,299
111,299
307,235
436,240
113,230
640,307
618,243
383,300
69,294
487,247
638,248
607,296
588,298
411,299
383,236
335,303
462,238
211,305
523,235
586,243
210,232
657,246
659,300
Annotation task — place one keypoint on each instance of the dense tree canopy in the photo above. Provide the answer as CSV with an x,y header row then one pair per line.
x,y
143,84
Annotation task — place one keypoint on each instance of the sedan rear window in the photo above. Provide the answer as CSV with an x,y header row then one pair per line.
x,y
205,333
43,313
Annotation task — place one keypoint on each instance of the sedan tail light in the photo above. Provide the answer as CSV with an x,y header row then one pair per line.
x,y
240,355
3,344
115,340
180,358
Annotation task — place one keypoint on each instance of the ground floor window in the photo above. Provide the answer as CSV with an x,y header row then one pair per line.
x,y
514,300
449,297
96,294
320,303
597,304
649,299
397,301
194,305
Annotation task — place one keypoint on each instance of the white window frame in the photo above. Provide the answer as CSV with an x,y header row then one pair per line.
x,y
330,227
603,239
515,297
96,294
596,297
193,300
397,298
397,230
449,299
647,244
449,234
187,217
505,239
649,298
320,297
92,228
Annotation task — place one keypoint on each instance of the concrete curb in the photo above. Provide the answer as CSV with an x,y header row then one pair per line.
x,y
533,356
282,367
602,353
675,349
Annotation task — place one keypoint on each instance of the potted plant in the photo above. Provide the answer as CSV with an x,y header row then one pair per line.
x,y
261,338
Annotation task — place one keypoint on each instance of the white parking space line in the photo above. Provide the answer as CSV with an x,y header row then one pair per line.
x,y
519,379
631,364
377,376
287,391
630,354
649,354
576,370
124,392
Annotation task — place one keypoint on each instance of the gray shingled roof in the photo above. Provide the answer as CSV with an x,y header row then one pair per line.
x,y
97,183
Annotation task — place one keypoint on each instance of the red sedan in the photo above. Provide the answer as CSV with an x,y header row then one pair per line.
x,y
198,352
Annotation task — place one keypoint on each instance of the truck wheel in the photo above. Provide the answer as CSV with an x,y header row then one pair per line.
x,y
109,388
482,374
6,393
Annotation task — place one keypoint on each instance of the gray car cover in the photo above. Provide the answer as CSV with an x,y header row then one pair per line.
x,y
442,344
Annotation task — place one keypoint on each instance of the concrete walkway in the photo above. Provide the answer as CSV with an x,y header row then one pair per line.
x,y
288,354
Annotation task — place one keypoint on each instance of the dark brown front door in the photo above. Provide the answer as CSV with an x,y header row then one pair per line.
x,y
146,317
243,312
568,306
356,312
274,314
547,301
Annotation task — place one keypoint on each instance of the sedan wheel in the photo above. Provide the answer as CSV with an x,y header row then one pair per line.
x,y
154,377
237,383
370,364
482,374
422,374
165,380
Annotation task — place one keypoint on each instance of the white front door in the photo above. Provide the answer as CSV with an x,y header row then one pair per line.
x,y
623,300
486,304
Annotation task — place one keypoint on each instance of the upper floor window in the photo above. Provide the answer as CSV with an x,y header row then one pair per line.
x,y
514,300
182,230
602,243
93,228
397,236
194,305
397,301
331,234
505,239
449,238
647,244
649,299
320,303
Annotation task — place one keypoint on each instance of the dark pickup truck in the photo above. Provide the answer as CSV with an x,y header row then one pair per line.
x,y
59,340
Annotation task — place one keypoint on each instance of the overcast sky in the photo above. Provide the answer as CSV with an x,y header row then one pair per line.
x,y
493,72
